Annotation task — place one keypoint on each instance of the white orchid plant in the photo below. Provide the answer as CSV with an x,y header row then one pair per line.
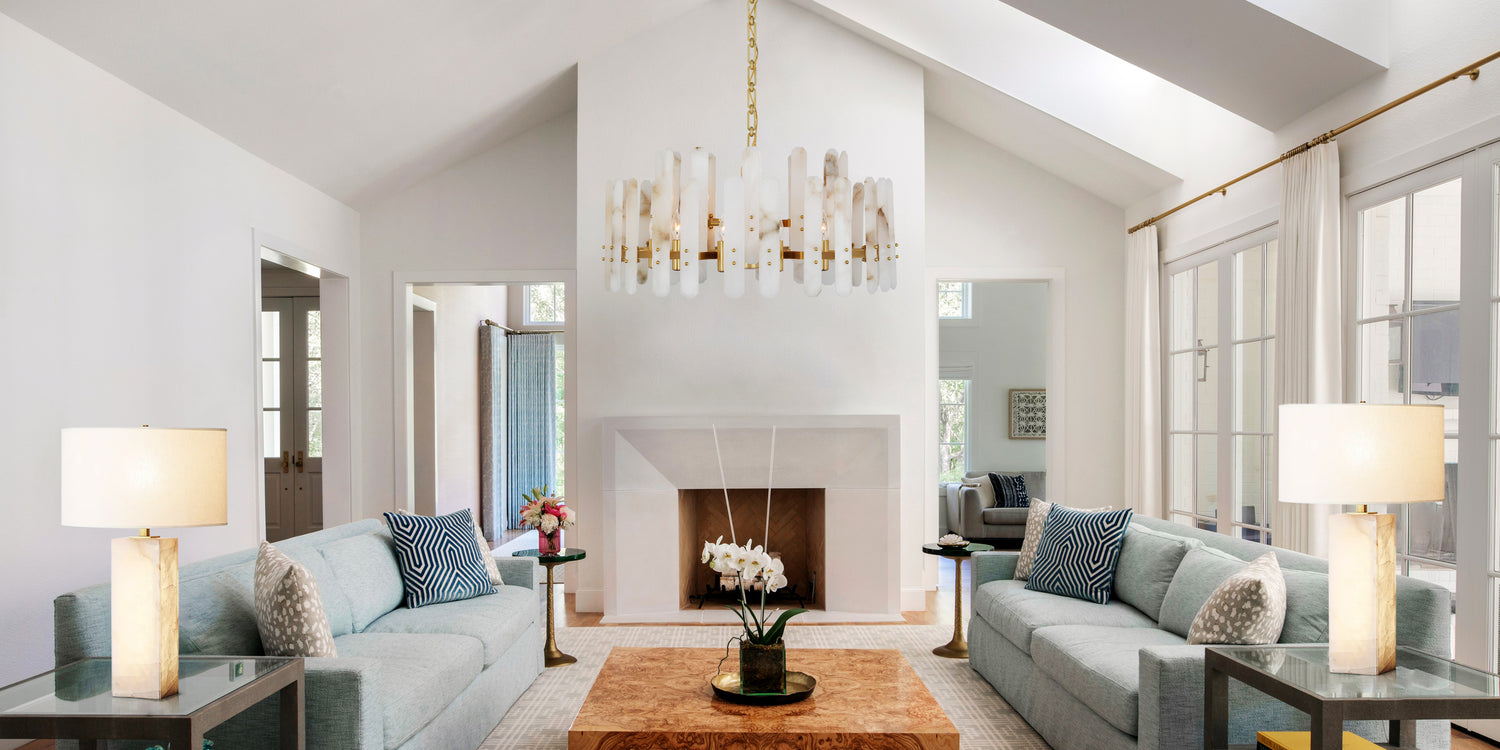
x,y
751,563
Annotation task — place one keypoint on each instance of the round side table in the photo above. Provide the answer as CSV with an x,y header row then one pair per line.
x,y
554,656
958,648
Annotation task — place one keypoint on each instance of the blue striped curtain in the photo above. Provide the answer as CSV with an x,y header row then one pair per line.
x,y
533,431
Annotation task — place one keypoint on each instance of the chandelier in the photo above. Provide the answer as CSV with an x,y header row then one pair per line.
x,y
825,228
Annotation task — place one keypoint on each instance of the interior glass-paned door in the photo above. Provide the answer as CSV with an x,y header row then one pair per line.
x,y
292,415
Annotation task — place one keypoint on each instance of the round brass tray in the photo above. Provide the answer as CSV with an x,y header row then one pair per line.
x,y
798,687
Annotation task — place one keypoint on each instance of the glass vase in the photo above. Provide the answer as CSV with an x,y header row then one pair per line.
x,y
549,544
762,668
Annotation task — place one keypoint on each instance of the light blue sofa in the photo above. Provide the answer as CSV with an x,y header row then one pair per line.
x,y
1121,676
438,677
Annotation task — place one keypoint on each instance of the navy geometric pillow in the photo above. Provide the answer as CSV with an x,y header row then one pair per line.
x,y
439,558
1010,492
1078,553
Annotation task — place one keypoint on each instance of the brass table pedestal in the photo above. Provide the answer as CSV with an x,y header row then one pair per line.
x,y
554,657
958,647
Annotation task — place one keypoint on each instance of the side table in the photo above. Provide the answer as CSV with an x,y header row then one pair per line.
x,y
74,702
554,656
958,648
1422,686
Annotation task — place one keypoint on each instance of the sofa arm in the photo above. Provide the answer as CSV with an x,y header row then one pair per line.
x,y
1171,697
519,571
991,566
971,506
342,705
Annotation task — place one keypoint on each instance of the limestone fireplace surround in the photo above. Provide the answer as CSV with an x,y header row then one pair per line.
x,y
649,461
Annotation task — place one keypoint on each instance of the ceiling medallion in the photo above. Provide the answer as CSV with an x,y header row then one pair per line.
x,y
826,228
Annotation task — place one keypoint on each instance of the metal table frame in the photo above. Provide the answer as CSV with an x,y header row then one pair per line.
x,y
180,732
1328,714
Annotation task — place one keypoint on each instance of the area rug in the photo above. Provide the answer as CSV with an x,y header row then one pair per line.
x,y
540,719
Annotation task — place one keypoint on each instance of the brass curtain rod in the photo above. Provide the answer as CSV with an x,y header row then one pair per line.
x,y
1471,70
487,321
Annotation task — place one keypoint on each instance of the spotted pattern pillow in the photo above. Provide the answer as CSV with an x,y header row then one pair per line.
x,y
1247,609
288,607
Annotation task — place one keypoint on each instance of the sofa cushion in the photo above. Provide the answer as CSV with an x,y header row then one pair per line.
x,y
496,620
1100,666
1010,490
416,676
1204,568
1016,612
335,601
215,613
1078,553
1004,516
1148,561
366,568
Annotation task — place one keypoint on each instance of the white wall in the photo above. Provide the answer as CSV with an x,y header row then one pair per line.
x,y
460,310
141,220
1006,343
989,209
819,87
1426,44
508,209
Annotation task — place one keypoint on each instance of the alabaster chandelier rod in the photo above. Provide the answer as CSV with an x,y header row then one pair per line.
x,y
826,229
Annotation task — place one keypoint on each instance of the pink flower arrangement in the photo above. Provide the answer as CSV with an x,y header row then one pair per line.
x,y
544,513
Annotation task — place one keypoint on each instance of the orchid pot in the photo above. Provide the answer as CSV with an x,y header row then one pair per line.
x,y
762,668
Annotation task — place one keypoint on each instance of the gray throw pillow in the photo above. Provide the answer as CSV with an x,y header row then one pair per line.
x,y
1248,608
288,608
1148,561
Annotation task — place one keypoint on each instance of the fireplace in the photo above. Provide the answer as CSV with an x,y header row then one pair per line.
x,y
796,535
663,488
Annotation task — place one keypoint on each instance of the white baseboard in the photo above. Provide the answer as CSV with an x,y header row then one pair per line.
x,y
589,600
913,599
1488,728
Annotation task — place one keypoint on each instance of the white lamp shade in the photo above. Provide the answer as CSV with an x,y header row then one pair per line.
x,y
1360,454
144,477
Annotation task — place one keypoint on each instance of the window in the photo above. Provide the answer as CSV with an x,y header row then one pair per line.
x,y
953,429
1221,325
544,304
1407,342
955,300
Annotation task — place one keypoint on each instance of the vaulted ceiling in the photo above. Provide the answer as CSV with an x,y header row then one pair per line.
x,y
1119,98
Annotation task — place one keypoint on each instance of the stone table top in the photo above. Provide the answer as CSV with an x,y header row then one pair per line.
x,y
660,698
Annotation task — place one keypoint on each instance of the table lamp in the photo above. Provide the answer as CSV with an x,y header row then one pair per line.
x,y
143,478
1358,454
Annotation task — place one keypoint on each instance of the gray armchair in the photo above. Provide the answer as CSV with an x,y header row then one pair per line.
x,y
973,515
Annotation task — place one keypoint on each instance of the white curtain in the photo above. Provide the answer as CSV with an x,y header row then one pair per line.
x,y
1143,355
1309,315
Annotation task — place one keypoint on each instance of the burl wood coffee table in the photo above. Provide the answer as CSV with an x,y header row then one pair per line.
x,y
660,698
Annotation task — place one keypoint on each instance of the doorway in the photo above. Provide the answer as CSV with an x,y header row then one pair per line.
x,y
291,361
485,382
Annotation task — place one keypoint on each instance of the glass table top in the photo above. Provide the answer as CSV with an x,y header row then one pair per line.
x,y
83,688
1417,675
566,554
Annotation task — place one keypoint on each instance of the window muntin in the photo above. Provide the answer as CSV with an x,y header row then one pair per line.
x,y
953,429
545,304
955,300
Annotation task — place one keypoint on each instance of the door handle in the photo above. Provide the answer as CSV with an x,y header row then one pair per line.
x,y
299,462
285,461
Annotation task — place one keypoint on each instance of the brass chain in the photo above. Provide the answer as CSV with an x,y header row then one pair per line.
x,y
752,54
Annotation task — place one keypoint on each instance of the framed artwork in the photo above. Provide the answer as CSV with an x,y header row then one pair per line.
x,y
1028,413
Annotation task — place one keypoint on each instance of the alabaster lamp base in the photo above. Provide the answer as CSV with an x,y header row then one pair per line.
x,y
1362,593
143,617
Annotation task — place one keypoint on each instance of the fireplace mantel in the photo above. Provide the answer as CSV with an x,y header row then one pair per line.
x,y
853,458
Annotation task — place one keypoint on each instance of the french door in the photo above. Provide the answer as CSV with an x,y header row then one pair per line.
x,y
1221,338
292,415
1426,330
